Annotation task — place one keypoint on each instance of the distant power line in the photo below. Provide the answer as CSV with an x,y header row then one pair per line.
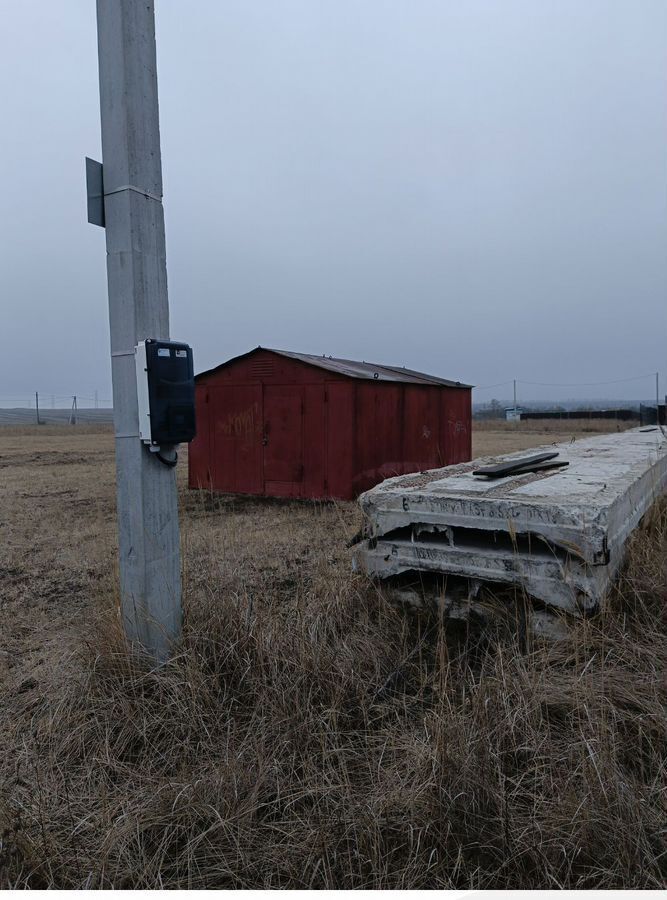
x,y
484,387
48,399
520,381
62,416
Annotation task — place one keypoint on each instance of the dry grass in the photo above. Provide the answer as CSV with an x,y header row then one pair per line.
x,y
307,734
490,438
560,428
64,431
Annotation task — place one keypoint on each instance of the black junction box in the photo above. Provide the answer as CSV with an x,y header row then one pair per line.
x,y
167,408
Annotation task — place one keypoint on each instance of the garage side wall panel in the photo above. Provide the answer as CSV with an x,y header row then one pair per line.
x,y
421,428
378,443
314,441
340,440
235,416
456,425
199,472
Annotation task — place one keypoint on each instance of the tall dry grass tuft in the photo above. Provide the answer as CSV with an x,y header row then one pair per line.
x,y
309,735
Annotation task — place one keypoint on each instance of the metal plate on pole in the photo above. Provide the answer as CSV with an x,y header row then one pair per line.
x,y
95,192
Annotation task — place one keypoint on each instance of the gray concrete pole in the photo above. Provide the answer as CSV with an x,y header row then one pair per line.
x,y
148,534
657,398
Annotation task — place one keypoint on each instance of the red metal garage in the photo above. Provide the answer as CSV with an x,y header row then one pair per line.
x,y
294,425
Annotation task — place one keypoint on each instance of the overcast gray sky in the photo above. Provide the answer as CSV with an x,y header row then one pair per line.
x,y
474,189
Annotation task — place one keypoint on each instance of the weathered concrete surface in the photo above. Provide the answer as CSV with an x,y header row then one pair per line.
x,y
545,623
568,584
559,535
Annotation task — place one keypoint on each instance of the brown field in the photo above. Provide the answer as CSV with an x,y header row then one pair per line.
x,y
307,734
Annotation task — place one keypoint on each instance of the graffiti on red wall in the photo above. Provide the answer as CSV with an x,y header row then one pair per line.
x,y
244,424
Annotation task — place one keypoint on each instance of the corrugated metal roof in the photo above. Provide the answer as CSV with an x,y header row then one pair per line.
x,y
355,369
361,369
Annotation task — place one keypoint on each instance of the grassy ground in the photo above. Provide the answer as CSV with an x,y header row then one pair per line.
x,y
307,734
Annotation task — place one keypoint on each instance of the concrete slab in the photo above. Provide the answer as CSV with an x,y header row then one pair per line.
x,y
559,535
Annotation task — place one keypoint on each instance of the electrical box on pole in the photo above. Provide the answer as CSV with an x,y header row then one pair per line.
x,y
165,392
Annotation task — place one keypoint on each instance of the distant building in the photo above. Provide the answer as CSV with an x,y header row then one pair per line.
x,y
648,415
513,413
283,424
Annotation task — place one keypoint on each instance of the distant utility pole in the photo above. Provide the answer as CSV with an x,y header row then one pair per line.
x,y
37,405
515,394
657,398
97,405
148,534
72,415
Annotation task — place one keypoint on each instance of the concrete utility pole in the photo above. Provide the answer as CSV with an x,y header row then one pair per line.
x,y
37,405
657,398
148,534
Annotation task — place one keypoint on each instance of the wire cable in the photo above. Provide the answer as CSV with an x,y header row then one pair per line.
x,y
485,387
168,462
585,383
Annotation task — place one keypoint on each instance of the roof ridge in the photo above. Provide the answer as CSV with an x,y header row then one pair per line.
x,y
352,368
